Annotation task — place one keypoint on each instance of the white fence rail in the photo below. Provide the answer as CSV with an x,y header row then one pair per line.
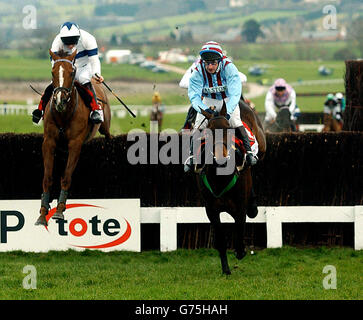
x,y
169,217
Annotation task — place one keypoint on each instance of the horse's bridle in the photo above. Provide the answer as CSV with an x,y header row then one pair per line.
x,y
67,91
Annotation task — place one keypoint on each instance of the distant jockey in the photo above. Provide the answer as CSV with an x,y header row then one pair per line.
x,y
341,101
281,94
332,107
214,79
87,62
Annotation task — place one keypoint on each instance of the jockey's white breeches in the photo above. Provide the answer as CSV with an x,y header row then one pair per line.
x,y
84,73
234,120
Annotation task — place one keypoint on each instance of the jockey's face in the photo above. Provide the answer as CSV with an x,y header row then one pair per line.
x,y
280,91
70,46
211,66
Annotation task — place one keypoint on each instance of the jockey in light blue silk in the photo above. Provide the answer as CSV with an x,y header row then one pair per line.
x,y
214,79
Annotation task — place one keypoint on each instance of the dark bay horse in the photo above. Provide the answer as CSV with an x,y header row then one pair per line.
x,y
66,118
283,122
229,193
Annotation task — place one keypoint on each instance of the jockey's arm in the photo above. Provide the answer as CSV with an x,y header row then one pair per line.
x,y
195,91
270,107
90,44
234,87
293,103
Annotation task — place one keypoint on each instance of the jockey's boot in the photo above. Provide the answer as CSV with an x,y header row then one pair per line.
x,y
241,133
38,113
190,118
96,115
188,164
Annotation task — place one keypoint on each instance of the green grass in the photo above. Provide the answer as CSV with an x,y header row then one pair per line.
x,y
285,273
291,71
23,123
19,124
17,68
305,104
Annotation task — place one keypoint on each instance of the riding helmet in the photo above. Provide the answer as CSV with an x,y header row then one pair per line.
x,y
211,51
69,33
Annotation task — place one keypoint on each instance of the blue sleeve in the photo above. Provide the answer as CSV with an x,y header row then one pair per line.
x,y
234,87
195,91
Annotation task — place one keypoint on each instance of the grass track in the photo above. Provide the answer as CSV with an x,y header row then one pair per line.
x,y
285,273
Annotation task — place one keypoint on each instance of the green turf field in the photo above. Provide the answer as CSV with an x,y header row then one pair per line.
x,y
285,273
23,123
17,68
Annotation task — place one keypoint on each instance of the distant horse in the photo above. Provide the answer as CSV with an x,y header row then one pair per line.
x,y
156,115
229,193
283,122
66,118
331,124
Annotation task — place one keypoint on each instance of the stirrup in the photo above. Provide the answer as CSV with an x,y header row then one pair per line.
x,y
37,115
251,159
188,165
96,116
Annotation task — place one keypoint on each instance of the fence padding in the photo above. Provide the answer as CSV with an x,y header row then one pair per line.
x,y
299,169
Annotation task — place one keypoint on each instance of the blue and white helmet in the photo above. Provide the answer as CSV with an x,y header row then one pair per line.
x,y
69,33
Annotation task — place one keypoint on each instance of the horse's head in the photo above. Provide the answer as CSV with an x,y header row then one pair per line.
x,y
218,125
283,120
63,74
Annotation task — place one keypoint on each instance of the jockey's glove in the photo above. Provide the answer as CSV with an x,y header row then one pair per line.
x,y
210,111
228,116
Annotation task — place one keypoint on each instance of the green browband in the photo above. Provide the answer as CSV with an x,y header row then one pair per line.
x,y
227,188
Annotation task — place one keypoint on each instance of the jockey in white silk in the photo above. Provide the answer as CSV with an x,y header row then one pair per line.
x,y
87,62
279,95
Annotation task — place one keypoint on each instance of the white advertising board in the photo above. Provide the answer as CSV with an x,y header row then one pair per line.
x,y
102,224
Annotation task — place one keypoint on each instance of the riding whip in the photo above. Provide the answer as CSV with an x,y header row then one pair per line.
x,y
35,90
105,84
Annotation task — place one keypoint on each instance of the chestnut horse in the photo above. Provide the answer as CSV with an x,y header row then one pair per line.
x,y
229,192
67,117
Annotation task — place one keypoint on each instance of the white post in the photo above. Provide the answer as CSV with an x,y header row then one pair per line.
x,y
358,227
273,228
168,230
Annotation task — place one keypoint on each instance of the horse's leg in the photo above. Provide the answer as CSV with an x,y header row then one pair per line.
x,y
74,150
239,231
220,240
48,148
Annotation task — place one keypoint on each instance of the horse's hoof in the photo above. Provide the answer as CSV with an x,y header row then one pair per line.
x,y
58,216
41,221
240,255
227,272
252,209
